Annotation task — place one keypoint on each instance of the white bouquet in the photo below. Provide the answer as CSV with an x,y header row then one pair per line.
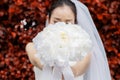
x,y
62,42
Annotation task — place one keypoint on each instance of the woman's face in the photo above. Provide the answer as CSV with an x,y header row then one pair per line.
x,y
62,14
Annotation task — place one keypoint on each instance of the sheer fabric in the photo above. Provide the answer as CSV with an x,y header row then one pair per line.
x,y
38,73
98,69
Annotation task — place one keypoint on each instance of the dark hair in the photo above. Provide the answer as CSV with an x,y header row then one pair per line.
x,y
60,3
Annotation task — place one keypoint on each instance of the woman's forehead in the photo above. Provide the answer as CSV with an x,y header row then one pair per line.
x,y
62,12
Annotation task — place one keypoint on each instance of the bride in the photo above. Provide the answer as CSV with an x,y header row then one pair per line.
x,y
94,66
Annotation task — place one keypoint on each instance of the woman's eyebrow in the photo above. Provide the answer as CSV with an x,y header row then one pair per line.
x,y
68,19
57,18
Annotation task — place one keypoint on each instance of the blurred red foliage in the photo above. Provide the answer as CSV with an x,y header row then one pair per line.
x,y
15,34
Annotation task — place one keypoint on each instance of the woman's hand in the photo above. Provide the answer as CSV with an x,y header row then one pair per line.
x,y
80,67
31,55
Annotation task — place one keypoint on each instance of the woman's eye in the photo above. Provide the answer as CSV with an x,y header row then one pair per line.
x,y
68,22
55,21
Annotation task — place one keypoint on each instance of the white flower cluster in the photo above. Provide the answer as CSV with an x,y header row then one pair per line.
x,y
62,42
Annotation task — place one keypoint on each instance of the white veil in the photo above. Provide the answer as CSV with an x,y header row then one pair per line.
x,y
98,69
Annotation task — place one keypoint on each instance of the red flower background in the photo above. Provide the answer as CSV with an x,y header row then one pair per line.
x,y
14,62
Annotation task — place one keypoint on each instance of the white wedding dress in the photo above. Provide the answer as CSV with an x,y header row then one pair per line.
x,y
38,73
